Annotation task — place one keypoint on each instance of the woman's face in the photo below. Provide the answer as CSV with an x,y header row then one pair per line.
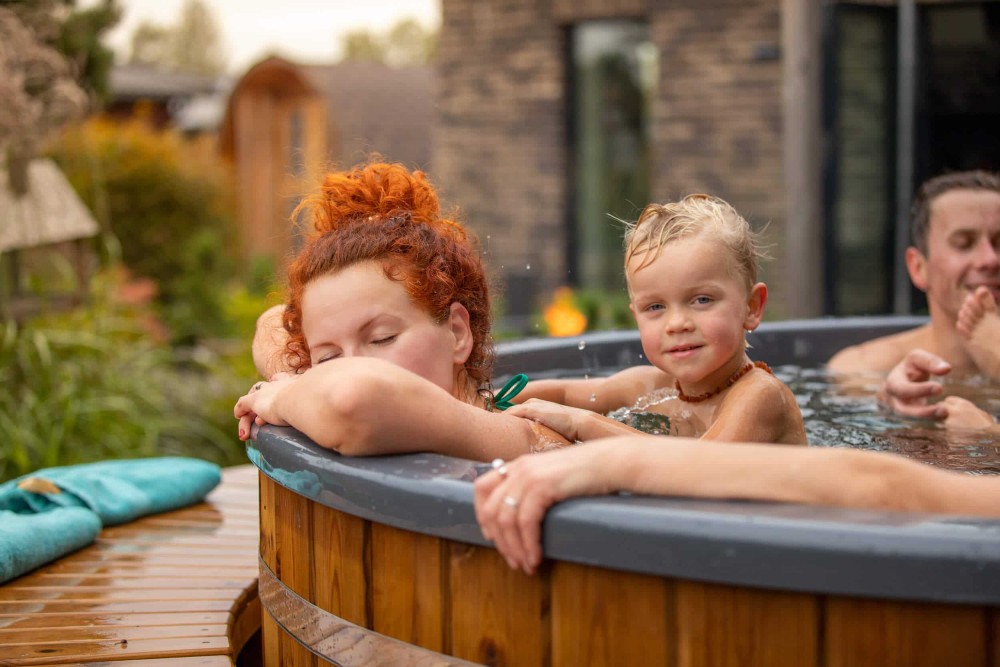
x,y
359,312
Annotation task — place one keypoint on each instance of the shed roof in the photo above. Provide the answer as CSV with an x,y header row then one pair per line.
x,y
50,212
145,81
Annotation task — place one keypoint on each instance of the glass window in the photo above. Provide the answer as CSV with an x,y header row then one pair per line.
x,y
861,193
613,79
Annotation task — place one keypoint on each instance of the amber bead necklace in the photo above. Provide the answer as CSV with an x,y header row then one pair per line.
x,y
725,385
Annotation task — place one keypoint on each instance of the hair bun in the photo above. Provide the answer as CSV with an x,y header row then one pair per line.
x,y
377,190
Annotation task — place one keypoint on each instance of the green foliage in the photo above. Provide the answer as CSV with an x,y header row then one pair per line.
x,y
80,41
407,42
192,45
93,384
169,205
605,309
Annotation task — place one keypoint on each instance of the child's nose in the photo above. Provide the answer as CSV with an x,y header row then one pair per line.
x,y
678,320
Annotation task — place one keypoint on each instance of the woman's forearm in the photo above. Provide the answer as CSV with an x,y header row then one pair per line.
x,y
825,476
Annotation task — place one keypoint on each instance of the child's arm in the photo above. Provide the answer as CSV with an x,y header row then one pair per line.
x,y
759,408
572,423
599,394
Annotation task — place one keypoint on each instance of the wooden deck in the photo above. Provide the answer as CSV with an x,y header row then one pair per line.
x,y
177,589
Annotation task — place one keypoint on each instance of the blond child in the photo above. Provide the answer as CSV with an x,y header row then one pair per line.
x,y
691,268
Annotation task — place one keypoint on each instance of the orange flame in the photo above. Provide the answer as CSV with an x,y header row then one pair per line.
x,y
562,317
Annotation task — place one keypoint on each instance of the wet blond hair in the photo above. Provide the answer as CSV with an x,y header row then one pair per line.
x,y
694,215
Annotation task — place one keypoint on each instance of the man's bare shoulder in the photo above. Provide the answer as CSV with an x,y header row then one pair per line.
x,y
878,355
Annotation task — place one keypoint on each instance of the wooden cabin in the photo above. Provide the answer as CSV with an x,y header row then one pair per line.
x,y
287,123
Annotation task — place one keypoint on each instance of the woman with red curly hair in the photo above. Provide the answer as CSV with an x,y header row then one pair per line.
x,y
386,329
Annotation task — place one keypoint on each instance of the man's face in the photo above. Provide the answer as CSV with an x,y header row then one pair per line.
x,y
963,250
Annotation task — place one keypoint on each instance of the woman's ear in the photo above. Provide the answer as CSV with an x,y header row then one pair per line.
x,y
458,323
755,306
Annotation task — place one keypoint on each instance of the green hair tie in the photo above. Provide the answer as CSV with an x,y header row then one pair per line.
x,y
513,387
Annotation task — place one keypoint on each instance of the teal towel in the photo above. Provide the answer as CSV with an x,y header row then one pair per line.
x,y
29,540
110,492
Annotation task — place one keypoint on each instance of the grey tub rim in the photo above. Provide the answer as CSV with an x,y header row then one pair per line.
x,y
819,550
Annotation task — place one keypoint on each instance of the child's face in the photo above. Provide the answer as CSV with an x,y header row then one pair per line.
x,y
358,312
692,308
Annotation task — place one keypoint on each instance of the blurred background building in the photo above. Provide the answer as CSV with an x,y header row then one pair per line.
x,y
548,123
815,119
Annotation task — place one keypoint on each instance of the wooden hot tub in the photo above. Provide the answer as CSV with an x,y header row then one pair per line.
x,y
379,561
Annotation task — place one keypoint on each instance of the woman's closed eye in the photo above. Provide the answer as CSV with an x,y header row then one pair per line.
x,y
384,340
327,357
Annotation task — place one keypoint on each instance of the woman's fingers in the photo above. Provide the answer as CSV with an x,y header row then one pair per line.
x,y
510,508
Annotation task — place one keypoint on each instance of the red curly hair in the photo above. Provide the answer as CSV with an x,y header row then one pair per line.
x,y
383,212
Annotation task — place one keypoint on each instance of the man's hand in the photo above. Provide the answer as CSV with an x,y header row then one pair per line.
x,y
909,386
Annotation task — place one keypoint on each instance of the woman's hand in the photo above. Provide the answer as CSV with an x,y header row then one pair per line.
x,y
257,406
512,499
572,423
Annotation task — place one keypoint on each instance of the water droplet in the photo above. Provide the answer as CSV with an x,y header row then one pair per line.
x,y
528,267
593,398
640,357
586,376
582,345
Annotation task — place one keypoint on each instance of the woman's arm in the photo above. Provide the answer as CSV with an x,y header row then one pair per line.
x,y
269,341
696,468
365,406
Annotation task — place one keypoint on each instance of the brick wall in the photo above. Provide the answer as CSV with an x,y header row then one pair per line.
x,y
500,136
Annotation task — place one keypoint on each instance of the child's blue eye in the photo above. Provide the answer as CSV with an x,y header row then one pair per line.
x,y
655,306
703,300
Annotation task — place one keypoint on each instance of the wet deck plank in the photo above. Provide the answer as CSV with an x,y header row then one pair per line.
x,y
177,589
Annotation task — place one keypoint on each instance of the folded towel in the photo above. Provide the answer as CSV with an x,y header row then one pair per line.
x,y
29,540
107,492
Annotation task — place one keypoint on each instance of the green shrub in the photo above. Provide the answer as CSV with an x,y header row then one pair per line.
x,y
169,204
94,384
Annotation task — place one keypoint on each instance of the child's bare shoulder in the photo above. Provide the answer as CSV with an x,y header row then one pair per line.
x,y
767,408
761,387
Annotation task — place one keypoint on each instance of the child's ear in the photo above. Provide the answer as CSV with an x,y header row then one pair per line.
x,y
755,306
631,307
458,323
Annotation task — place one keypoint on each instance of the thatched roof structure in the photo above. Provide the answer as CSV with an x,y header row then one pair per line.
x,y
50,212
